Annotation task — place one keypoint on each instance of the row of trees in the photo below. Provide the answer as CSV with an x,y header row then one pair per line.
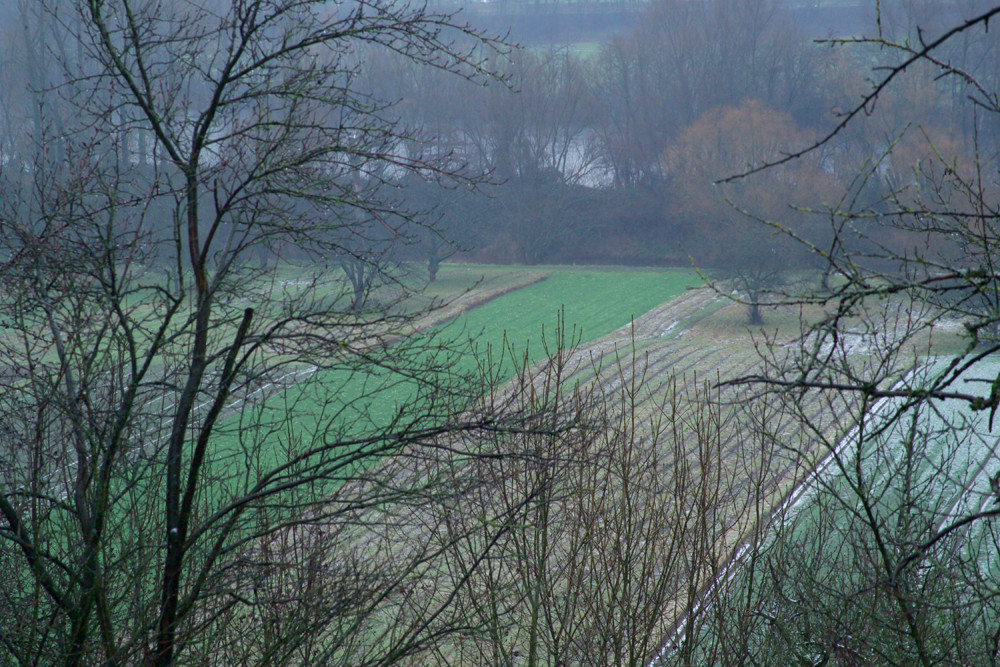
x,y
593,149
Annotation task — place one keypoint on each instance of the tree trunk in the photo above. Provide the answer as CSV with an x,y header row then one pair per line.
x,y
755,316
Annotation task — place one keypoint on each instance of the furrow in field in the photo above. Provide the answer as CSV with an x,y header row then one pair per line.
x,y
698,338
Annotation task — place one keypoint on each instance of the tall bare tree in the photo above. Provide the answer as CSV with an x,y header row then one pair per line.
x,y
194,443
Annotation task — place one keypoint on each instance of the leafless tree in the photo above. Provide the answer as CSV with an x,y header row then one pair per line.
x,y
193,443
536,141
686,58
887,560
624,527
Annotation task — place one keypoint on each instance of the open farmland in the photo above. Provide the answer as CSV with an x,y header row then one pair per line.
x,y
504,313
635,331
753,448
704,473
883,503
484,320
681,346
692,464
471,313
475,315
889,506
729,455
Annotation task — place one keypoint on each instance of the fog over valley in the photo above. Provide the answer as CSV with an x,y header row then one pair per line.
x,y
503,333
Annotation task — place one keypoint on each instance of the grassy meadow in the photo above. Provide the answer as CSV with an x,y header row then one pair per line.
x,y
486,321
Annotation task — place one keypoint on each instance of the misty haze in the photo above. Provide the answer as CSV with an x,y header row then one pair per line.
x,y
499,333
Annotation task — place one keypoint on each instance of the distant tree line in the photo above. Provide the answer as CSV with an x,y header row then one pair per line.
x,y
610,156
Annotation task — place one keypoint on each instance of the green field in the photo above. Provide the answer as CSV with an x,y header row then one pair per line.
x,y
496,337
592,303
946,452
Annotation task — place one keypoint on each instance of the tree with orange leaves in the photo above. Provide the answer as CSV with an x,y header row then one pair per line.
x,y
725,217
